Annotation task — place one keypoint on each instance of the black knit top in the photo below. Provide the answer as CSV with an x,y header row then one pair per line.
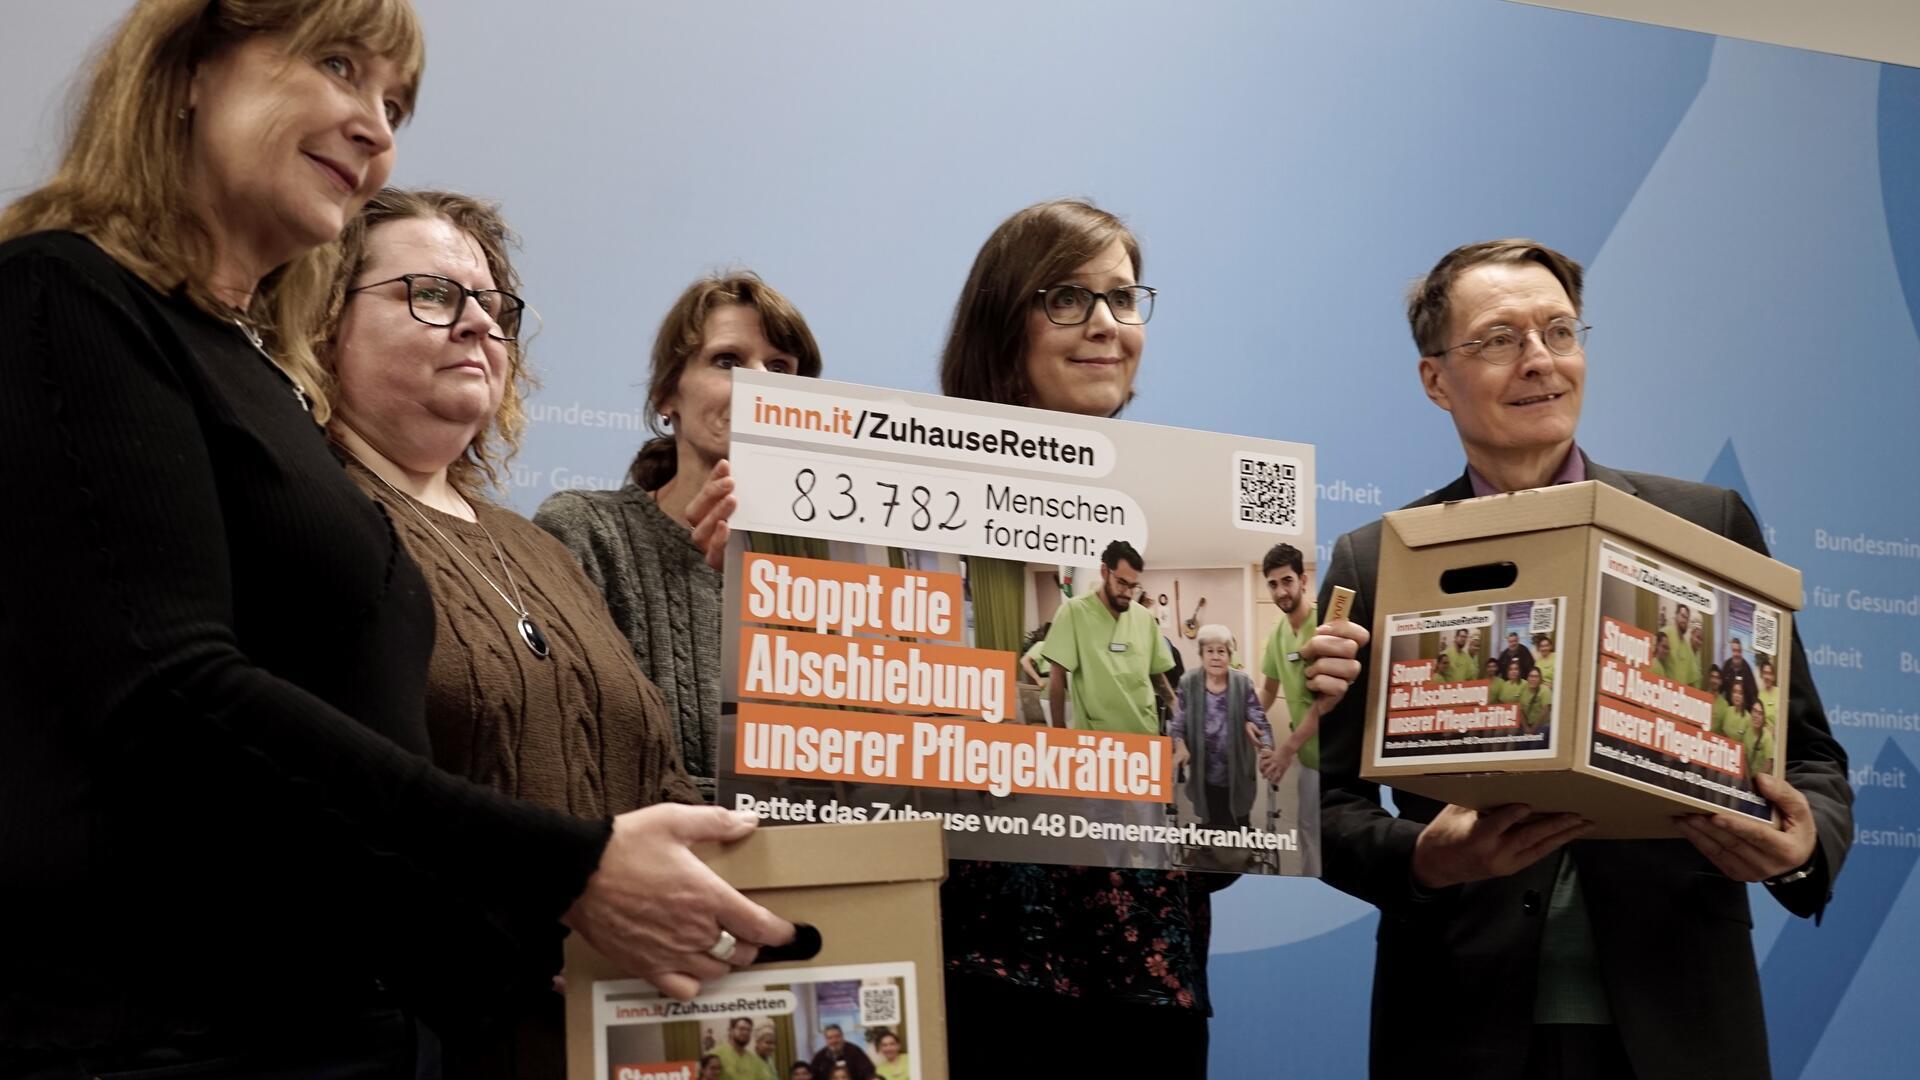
x,y
216,813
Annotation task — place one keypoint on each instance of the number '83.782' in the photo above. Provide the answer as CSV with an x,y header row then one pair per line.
x,y
922,504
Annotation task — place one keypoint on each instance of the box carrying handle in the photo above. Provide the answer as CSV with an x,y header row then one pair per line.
x,y
1480,578
804,946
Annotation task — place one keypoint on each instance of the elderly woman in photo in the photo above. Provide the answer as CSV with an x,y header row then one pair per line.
x,y
764,1041
654,546
531,689
1220,733
214,780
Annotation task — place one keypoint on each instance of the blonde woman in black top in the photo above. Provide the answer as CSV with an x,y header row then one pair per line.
x,y
222,848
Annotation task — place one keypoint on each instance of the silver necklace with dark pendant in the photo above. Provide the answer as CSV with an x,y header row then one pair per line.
x,y
530,633
260,346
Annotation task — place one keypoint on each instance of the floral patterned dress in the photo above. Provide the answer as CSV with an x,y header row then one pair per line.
x,y
1082,931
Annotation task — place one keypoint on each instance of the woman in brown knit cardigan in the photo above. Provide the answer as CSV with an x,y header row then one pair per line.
x,y
532,689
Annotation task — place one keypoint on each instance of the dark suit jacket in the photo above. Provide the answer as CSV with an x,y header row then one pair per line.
x,y
858,1064
1517,652
1455,971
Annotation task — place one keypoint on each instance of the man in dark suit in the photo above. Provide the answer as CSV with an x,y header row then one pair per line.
x,y
1516,651
1736,669
1508,946
839,1051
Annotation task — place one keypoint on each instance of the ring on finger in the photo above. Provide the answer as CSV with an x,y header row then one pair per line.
x,y
722,950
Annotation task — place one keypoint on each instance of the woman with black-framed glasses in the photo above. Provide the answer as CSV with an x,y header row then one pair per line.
x,y
532,688
1053,316
440,301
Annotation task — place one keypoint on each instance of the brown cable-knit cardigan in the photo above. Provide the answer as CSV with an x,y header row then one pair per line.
x,y
583,730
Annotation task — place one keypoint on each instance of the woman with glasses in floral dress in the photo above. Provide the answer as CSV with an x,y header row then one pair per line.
x,y
1054,316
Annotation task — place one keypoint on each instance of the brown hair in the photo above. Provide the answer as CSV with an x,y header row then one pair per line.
x,y
122,179
1430,300
315,317
683,333
1031,250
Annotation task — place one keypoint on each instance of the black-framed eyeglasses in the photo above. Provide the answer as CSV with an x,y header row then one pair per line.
x,y
1503,345
1072,305
440,301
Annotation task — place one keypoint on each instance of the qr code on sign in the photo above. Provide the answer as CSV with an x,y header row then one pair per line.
x,y
1766,633
1266,494
879,1005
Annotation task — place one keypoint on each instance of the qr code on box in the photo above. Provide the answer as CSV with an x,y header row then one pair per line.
x,y
1266,493
1766,633
879,1005
1540,618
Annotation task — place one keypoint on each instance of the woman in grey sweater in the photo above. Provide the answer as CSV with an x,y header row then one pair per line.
x,y
645,545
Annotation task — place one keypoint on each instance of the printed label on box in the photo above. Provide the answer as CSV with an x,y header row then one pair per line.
x,y
1685,698
857,1016
1469,684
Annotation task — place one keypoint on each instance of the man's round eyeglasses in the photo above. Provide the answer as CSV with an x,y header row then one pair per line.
x,y
1502,345
1072,305
440,301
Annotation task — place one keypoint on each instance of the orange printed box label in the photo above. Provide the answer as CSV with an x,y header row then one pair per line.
x,y
1671,656
665,1070
1467,684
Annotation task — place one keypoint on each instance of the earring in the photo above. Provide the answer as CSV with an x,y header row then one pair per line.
x,y
182,113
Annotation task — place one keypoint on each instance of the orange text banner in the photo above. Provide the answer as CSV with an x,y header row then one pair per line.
x,y
1456,721
941,752
1408,696
1413,671
1625,641
1680,741
850,598
793,665
1662,695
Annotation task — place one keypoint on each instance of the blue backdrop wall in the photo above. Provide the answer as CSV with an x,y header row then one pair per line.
x,y
1750,216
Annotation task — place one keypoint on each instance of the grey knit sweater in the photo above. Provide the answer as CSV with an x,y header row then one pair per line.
x,y
663,596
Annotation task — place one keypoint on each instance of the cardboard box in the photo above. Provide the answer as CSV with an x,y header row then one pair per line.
x,y
873,892
1638,608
